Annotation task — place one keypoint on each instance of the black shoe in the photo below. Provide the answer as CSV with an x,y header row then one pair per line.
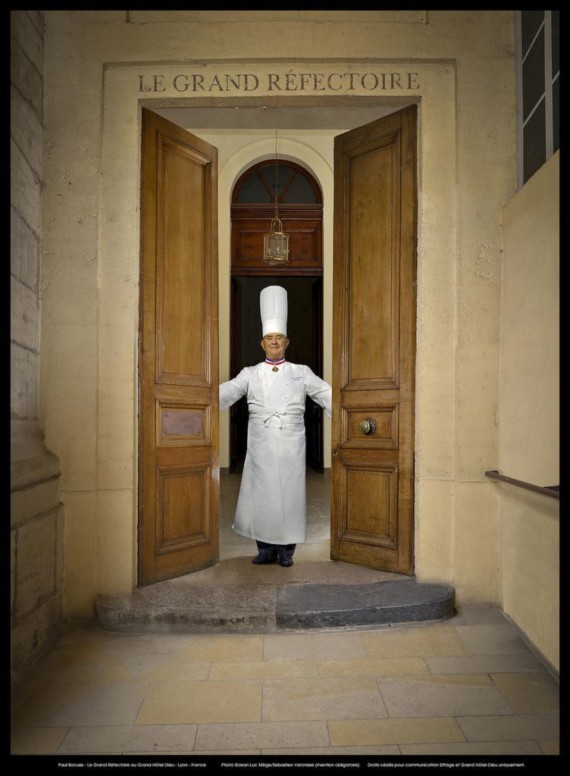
x,y
285,558
264,557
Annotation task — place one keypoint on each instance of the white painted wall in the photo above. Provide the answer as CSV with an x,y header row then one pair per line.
x,y
529,410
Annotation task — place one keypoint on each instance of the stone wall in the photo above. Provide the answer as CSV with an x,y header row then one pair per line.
x,y
529,410
36,512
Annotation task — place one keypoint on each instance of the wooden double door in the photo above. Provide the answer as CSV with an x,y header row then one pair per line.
x,y
374,303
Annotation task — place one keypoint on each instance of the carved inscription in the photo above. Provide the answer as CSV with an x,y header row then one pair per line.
x,y
289,82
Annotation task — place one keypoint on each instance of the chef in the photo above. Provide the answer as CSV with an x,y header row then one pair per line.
x,y
271,506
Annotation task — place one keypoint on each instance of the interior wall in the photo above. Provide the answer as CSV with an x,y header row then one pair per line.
x,y
529,410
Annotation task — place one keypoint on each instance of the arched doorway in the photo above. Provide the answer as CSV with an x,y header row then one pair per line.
x,y
301,211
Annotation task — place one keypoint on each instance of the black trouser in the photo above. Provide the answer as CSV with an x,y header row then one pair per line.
x,y
289,548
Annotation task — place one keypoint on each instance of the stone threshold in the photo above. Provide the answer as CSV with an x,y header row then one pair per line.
x,y
181,606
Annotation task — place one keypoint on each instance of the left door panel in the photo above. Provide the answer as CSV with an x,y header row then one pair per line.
x,y
178,530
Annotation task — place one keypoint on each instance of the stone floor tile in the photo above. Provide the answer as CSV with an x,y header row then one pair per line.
x,y
478,615
113,704
168,757
31,684
274,669
519,727
528,693
313,551
373,667
170,669
170,642
196,754
77,632
50,698
492,640
550,747
183,703
483,664
70,673
442,696
316,646
375,732
477,748
138,665
336,751
425,641
18,701
82,654
224,648
36,740
314,699
220,738
129,739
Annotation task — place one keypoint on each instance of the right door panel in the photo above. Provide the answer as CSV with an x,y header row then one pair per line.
x,y
374,344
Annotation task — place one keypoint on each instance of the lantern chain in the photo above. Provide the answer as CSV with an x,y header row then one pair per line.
x,y
276,167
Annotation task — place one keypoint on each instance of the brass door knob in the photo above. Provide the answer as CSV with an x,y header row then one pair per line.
x,y
368,426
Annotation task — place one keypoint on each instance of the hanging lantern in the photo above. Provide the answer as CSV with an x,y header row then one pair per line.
x,y
276,242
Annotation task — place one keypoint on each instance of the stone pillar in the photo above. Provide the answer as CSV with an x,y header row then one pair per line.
x,y
36,512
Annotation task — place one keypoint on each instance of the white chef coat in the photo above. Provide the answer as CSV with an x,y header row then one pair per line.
x,y
272,500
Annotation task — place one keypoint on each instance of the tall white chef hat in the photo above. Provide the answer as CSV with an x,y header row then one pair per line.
x,y
273,305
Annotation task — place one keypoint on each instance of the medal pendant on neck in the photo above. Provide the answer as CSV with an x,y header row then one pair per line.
x,y
275,364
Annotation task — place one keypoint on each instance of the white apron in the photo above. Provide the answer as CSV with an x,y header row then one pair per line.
x,y
272,502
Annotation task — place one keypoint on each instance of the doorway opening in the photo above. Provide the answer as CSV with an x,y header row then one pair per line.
x,y
304,330
300,207
372,475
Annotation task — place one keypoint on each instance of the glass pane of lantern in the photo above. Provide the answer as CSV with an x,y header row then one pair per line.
x,y
276,248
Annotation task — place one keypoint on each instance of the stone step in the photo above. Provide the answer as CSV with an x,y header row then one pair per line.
x,y
184,606
379,603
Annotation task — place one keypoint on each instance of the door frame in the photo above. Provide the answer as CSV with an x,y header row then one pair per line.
x,y
117,324
230,273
